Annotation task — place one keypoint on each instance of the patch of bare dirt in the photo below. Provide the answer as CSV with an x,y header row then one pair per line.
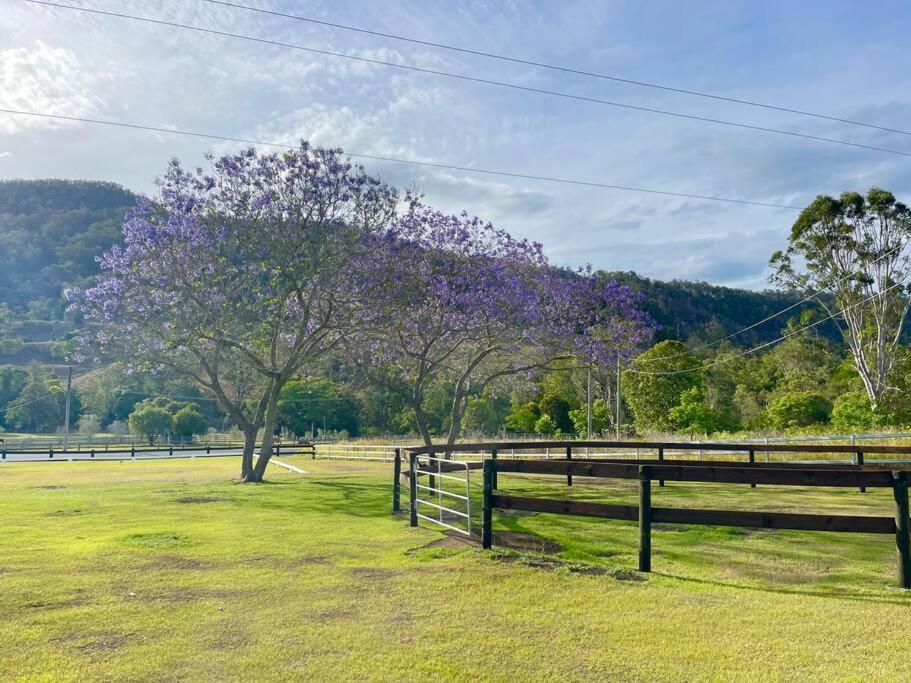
x,y
178,595
50,487
525,543
331,614
199,499
304,560
66,513
230,639
628,575
261,558
373,573
103,643
178,562
551,564
73,601
450,542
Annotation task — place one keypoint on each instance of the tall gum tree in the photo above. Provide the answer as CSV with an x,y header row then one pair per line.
x,y
238,276
855,249
463,303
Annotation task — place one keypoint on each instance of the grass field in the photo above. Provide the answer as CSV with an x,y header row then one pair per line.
x,y
167,570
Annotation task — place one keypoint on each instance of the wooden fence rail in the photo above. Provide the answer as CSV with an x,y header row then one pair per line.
x,y
745,448
707,472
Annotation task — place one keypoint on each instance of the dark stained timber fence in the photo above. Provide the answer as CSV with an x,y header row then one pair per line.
x,y
660,469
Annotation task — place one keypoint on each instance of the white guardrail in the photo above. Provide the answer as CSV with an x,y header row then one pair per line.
x,y
386,453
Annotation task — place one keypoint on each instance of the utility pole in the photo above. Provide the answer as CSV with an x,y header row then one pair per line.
x,y
617,391
66,412
589,401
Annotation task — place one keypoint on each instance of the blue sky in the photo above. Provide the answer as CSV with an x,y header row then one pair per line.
x,y
845,59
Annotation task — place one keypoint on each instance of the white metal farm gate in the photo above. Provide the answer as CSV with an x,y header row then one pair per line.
x,y
441,492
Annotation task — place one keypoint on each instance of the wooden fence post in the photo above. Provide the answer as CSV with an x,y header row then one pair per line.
x,y
396,481
752,460
486,511
645,518
493,456
902,536
661,458
569,456
412,489
860,461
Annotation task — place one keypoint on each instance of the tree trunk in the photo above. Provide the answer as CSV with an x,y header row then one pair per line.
x,y
420,419
246,463
265,449
455,425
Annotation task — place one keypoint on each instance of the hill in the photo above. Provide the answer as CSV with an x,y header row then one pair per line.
x,y
702,311
50,233
52,230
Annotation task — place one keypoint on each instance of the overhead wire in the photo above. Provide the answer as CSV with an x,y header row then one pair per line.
x,y
556,67
764,345
473,79
768,318
12,405
426,164
463,168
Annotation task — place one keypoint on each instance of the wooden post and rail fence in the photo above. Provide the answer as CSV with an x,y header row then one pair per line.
x,y
854,474
132,451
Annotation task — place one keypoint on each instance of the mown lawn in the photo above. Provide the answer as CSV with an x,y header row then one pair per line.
x,y
167,570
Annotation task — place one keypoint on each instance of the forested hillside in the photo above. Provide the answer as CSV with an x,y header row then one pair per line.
x,y
52,230
701,311
50,233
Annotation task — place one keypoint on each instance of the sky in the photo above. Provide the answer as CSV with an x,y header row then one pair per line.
x,y
844,59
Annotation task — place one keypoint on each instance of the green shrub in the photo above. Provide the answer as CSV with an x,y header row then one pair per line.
x,y
10,347
546,425
692,415
798,409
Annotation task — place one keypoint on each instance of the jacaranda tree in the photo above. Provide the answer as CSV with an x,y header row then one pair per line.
x,y
238,276
458,301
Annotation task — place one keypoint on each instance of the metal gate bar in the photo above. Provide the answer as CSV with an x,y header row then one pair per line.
x,y
432,468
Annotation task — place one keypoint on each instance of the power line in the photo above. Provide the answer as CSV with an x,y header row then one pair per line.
x,y
322,399
555,67
12,404
475,79
768,318
727,359
426,164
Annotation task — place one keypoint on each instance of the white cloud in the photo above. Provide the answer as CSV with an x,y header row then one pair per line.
x,y
5,154
44,79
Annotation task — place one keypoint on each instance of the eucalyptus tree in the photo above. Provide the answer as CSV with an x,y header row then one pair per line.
x,y
855,251
459,301
237,276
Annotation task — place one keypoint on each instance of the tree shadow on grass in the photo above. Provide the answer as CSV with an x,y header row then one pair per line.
x,y
340,498
780,590
265,482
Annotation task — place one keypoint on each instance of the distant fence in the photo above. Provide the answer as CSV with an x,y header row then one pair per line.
x,y
98,442
142,452
658,468
356,451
